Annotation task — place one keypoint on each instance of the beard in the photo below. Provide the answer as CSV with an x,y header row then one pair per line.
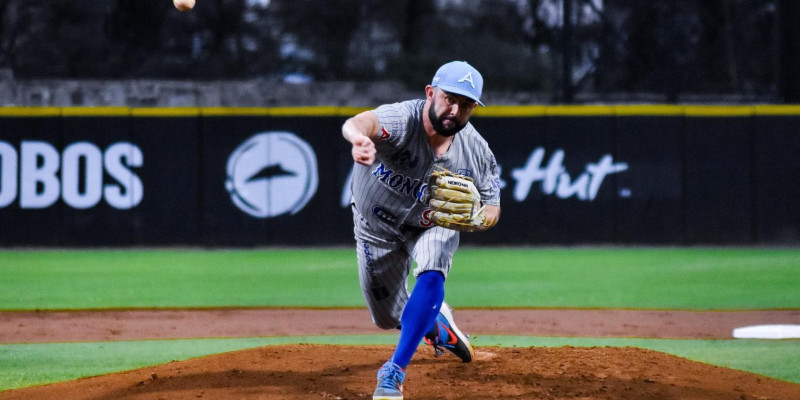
x,y
438,123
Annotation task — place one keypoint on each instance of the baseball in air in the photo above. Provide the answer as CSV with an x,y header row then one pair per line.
x,y
183,5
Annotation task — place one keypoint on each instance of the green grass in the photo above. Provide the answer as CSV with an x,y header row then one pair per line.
x,y
656,278
23,365
80,279
668,278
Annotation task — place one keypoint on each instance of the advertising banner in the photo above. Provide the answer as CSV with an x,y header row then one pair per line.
x,y
30,190
558,176
171,175
650,205
274,180
100,181
256,177
718,180
776,177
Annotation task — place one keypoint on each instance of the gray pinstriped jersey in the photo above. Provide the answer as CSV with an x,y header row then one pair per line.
x,y
389,193
390,216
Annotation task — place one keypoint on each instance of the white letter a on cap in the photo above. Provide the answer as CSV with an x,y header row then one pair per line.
x,y
468,78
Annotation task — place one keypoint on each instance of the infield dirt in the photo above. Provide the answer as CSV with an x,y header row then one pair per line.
x,y
348,372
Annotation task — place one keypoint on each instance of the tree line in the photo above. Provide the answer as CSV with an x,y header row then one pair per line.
x,y
558,47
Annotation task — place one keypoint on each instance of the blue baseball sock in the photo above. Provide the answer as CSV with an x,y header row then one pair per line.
x,y
419,315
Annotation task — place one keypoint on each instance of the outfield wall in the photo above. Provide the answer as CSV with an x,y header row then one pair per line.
x,y
279,176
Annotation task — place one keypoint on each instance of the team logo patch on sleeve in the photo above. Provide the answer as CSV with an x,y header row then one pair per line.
x,y
384,135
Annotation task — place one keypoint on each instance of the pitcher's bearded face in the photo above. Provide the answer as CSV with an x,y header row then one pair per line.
x,y
449,112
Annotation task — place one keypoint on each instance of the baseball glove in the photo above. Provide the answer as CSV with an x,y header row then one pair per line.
x,y
455,202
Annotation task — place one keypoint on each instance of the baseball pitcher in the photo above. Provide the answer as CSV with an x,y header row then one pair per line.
x,y
423,174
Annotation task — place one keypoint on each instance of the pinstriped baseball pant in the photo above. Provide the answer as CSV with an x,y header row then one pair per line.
x,y
385,260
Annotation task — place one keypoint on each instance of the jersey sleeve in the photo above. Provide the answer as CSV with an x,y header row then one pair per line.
x,y
489,184
394,120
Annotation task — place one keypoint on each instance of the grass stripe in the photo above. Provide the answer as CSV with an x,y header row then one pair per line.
x,y
668,278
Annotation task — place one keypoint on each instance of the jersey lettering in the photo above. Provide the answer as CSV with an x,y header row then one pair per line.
x,y
403,184
425,221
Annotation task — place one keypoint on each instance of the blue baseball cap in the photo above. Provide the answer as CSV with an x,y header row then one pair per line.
x,y
460,78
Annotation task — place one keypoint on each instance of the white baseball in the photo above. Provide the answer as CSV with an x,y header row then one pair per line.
x,y
183,5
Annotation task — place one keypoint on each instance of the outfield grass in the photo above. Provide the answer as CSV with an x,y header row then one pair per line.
x,y
654,278
669,278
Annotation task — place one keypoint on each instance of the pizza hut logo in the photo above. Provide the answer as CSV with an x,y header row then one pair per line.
x,y
556,180
272,173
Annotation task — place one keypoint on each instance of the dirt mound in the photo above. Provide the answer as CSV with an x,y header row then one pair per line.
x,y
348,372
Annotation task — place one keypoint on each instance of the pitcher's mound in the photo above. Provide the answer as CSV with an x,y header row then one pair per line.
x,y
348,372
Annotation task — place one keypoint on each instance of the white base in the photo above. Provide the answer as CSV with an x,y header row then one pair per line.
x,y
768,332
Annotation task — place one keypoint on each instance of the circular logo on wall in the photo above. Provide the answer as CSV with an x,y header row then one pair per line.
x,y
272,173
